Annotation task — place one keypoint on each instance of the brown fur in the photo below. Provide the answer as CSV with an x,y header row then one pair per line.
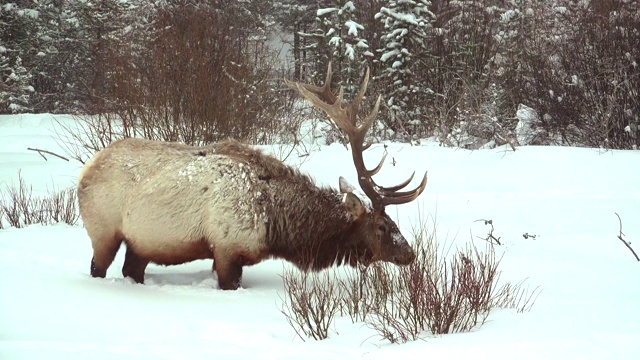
x,y
173,203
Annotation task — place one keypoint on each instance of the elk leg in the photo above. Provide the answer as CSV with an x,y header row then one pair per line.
x,y
229,273
134,266
104,251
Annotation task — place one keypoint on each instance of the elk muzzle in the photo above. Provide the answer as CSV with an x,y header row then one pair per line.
x,y
400,253
404,255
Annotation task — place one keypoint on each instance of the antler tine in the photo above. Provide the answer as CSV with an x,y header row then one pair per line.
x,y
392,189
366,124
334,110
355,105
324,99
370,173
403,197
322,93
346,120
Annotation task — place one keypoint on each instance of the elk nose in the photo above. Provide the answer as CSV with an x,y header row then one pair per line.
x,y
405,258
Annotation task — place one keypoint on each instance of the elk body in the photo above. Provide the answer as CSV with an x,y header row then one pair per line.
x,y
172,203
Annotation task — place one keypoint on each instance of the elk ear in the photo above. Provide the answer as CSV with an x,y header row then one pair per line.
x,y
353,205
345,187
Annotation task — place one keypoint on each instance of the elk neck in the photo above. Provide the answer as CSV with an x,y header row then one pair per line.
x,y
309,226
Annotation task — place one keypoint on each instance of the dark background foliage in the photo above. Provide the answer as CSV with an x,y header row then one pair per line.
x,y
199,70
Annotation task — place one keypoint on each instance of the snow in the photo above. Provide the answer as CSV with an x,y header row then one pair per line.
x,y
527,119
402,17
353,27
349,52
508,15
325,11
385,57
51,308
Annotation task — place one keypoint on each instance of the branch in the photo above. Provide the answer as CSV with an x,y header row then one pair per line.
x,y
490,238
40,151
625,242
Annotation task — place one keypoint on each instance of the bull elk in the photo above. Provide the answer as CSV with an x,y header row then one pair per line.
x,y
172,203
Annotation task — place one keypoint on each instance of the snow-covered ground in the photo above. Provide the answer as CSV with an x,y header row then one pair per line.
x,y
589,307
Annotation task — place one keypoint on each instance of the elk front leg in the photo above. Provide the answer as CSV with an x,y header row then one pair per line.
x,y
229,272
134,266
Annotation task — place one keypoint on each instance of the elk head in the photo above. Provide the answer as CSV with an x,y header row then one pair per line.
x,y
383,238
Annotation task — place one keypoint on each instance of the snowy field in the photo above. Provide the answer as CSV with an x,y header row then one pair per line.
x,y
589,307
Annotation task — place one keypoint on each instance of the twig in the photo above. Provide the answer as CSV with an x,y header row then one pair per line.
x,y
625,242
501,138
490,238
40,151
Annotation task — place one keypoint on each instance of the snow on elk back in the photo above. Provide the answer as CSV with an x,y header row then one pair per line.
x,y
172,203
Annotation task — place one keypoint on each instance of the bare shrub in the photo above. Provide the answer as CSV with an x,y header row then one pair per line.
x,y
91,133
283,121
310,303
354,292
1,213
575,63
21,208
516,296
404,314
445,290
442,292
62,206
398,314
11,211
445,293
365,289
198,82
196,72
471,115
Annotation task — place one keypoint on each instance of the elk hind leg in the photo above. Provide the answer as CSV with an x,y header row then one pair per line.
x,y
105,248
134,266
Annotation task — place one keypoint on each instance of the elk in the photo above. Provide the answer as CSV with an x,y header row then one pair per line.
x,y
171,203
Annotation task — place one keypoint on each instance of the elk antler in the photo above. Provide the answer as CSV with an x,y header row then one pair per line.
x,y
345,117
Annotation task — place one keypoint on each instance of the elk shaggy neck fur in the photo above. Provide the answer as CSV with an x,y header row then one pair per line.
x,y
311,242
172,203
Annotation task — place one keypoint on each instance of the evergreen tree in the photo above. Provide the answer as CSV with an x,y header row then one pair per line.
x,y
338,39
99,40
60,55
347,44
17,32
407,24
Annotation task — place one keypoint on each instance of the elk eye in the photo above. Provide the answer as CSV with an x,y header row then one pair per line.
x,y
382,228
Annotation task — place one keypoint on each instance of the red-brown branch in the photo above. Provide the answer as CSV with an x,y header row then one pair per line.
x,y
40,151
625,242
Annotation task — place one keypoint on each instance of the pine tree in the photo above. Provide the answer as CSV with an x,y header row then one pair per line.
x,y
99,39
17,31
16,92
407,24
59,56
338,40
